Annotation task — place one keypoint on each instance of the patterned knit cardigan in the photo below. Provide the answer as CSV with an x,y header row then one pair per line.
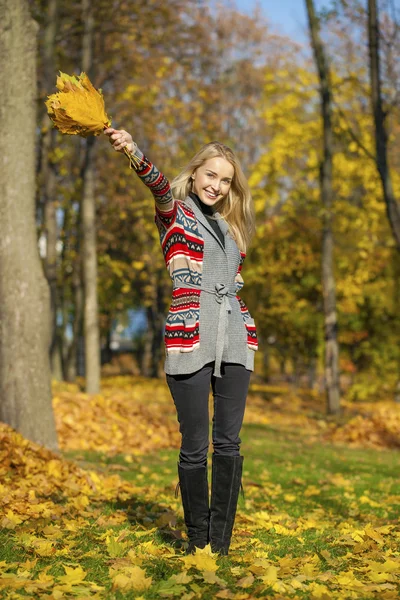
x,y
183,247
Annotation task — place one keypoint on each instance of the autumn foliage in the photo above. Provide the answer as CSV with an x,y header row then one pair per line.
x,y
91,532
125,418
78,108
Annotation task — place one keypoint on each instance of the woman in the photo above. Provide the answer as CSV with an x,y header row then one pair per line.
x,y
205,220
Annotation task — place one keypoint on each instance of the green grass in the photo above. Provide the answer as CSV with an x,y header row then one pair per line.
x,y
277,464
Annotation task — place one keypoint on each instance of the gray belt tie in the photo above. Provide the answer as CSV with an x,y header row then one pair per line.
x,y
221,292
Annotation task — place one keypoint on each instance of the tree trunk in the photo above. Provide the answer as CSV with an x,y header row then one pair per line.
x,y
392,207
91,319
25,393
328,278
49,182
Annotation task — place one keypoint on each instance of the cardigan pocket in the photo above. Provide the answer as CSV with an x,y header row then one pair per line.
x,y
182,325
251,332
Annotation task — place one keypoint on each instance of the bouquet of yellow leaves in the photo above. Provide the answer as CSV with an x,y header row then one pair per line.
x,y
78,108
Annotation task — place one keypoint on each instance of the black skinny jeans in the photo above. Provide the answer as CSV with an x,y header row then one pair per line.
x,y
190,394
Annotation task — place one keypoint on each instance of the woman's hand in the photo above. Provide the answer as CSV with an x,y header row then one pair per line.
x,y
120,139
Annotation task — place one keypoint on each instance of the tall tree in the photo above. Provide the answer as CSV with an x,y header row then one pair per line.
x,y
328,278
47,178
91,317
381,136
25,394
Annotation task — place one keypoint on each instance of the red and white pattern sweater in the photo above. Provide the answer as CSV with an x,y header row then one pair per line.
x,y
182,246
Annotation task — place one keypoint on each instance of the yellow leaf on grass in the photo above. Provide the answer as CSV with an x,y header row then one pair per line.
x,y
311,490
122,582
115,548
182,578
203,560
245,582
43,547
133,578
224,594
80,502
54,468
259,566
43,577
319,591
73,576
374,535
380,577
271,575
150,548
290,498
143,533
389,566
10,521
348,579
212,577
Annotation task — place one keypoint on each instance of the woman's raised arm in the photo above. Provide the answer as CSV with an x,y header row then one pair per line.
x,y
156,181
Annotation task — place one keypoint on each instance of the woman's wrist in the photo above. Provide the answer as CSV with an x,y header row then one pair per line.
x,y
131,147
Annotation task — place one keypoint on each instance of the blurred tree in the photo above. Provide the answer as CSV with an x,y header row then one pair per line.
x,y
88,224
25,395
47,180
381,136
328,277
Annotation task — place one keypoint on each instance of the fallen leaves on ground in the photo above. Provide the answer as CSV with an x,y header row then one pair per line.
x,y
134,415
128,417
68,532
377,427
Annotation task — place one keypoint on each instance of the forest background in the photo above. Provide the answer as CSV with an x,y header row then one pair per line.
x,y
179,75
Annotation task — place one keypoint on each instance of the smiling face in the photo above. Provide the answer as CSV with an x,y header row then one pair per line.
x,y
212,181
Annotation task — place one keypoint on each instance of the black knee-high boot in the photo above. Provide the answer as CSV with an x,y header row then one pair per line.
x,y
226,482
194,492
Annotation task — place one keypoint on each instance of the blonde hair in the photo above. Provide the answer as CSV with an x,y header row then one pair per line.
x,y
237,207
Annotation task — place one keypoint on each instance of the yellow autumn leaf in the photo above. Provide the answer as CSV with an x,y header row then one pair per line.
x,y
80,502
43,547
259,566
311,490
373,534
389,566
54,468
133,578
122,582
319,591
150,548
212,577
115,548
73,576
203,559
245,582
380,577
10,521
290,498
78,108
181,578
271,575
44,578
348,579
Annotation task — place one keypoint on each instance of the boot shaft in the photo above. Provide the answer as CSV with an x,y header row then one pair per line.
x,y
226,483
195,502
